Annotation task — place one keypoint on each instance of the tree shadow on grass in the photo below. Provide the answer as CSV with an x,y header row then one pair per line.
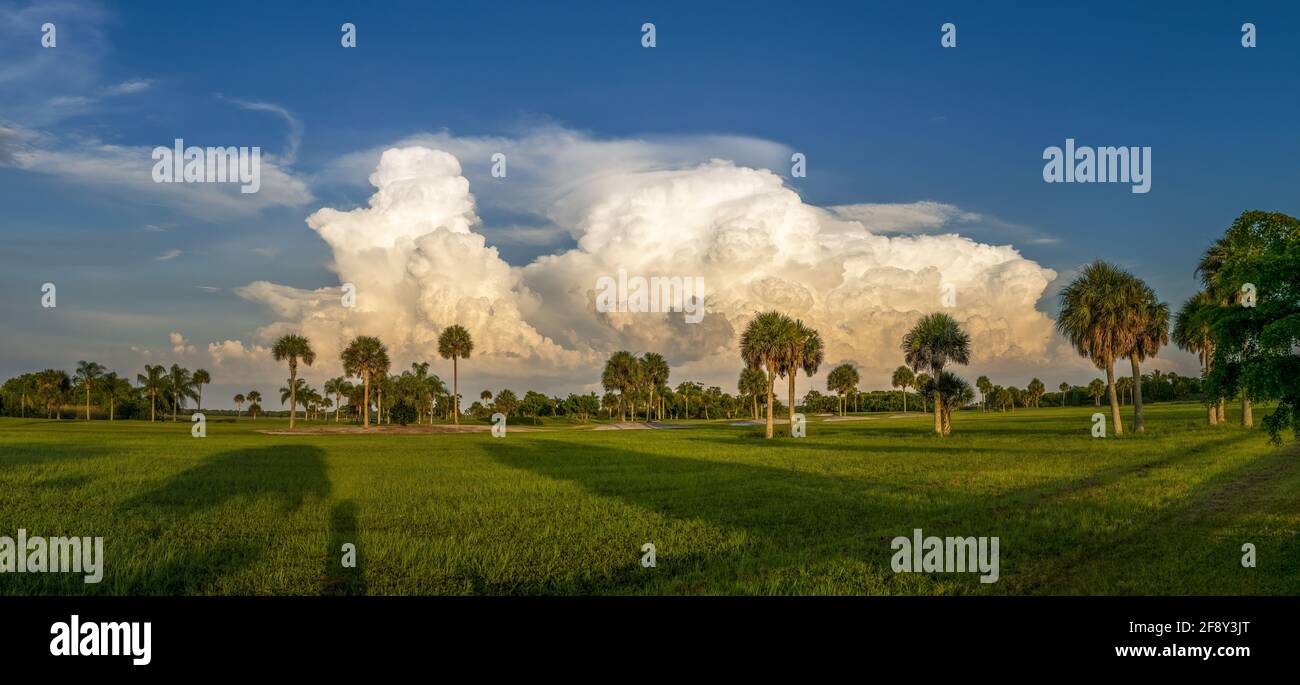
x,y
822,519
14,456
217,543
337,579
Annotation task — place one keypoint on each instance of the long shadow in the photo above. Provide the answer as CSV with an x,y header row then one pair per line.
x,y
336,578
19,454
826,517
285,474
829,518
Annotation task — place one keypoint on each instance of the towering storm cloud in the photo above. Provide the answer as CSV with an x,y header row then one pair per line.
x,y
419,260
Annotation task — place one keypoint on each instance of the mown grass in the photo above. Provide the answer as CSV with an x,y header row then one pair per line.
x,y
566,511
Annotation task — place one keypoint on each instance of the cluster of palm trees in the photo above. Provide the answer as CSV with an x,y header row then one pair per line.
x,y
366,358
172,387
780,346
1108,314
253,398
640,381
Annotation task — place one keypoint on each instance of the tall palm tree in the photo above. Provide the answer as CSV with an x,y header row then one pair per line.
x,y
115,391
294,348
88,373
295,391
956,391
801,348
985,386
1096,389
751,383
620,373
1236,241
201,378
904,378
455,343
1192,333
654,369
181,384
254,398
1150,322
1035,390
933,343
1097,318
239,400
152,381
843,381
761,347
52,386
1065,389
338,387
366,357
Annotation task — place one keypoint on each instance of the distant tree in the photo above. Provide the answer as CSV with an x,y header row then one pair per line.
x,y
239,400
1065,390
933,343
904,378
621,372
338,387
455,343
751,384
254,397
293,348
1096,388
654,370
52,386
506,402
985,386
201,378
1192,333
115,390
842,380
801,348
366,358
181,385
761,347
88,373
1035,391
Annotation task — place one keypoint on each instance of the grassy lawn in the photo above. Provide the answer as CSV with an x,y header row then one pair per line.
x,y
566,510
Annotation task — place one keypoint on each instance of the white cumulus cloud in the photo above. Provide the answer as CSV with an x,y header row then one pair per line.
x,y
419,259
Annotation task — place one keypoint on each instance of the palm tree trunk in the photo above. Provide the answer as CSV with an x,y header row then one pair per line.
x,y
938,402
754,397
176,402
771,381
88,401
792,374
455,389
1247,416
1208,351
1139,423
904,399
365,422
1114,400
293,393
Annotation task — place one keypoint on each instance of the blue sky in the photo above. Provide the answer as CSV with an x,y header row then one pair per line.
x,y
883,113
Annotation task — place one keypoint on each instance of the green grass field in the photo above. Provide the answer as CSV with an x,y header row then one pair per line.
x,y
566,511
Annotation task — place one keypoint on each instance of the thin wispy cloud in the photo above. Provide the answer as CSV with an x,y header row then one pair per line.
x,y
169,255
290,154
